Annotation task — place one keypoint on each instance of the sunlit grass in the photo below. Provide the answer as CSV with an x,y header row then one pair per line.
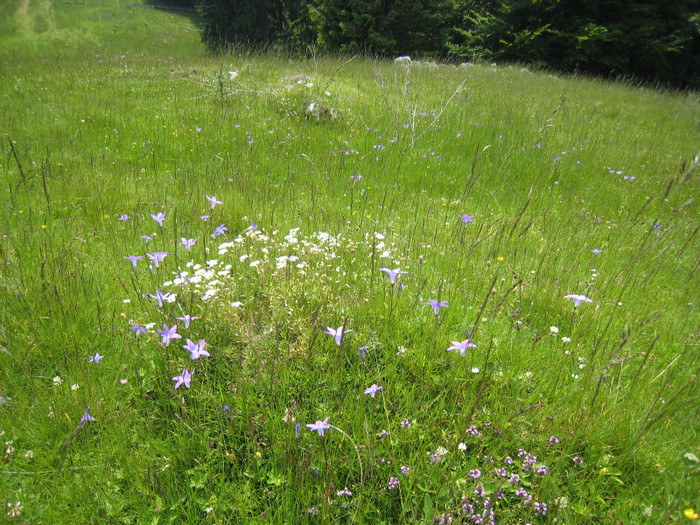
x,y
570,186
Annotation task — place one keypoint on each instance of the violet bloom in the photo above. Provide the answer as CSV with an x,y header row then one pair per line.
x,y
466,219
220,230
252,226
437,305
187,243
372,391
168,333
157,257
196,350
134,259
124,217
146,237
96,358
160,297
337,334
578,299
297,427
138,330
596,251
462,346
205,217
187,319
159,218
184,378
393,483
86,417
363,351
392,273
319,426
212,200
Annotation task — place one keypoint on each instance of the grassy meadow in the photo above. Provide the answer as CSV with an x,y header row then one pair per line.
x,y
217,275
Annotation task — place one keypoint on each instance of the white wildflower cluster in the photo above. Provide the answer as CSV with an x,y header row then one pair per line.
x,y
292,270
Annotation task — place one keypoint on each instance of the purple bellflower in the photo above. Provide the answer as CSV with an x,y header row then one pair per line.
x,y
392,273
466,219
319,426
168,333
372,391
213,201
578,299
138,329
159,218
337,334
160,297
96,358
220,230
184,378
196,350
437,305
187,243
462,346
157,257
134,259
86,417
187,319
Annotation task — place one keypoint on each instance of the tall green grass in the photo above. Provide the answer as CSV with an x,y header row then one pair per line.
x,y
112,109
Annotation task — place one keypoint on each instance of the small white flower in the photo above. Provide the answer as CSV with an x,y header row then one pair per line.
x,y
476,370
554,329
126,301
566,339
76,386
237,304
441,451
691,457
29,454
57,381
462,447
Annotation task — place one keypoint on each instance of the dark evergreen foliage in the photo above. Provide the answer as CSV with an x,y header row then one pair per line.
x,y
384,27
646,39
